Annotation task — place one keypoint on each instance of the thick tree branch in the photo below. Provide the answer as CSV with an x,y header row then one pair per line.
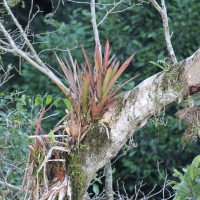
x,y
149,98
163,11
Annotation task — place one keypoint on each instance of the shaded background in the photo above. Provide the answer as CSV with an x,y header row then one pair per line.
x,y
138,28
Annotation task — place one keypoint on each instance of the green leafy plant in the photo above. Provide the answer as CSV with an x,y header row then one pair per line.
x,y
92,91
189,187
16,123
95,185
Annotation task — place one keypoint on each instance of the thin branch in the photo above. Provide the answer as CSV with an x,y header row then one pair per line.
x,y
79,2
56,7
10,186
22,32
5,79
127,8
163,11
5,43
31,19
111,11
19,28
38,62
88,3
108,169
7,50
94,23
108,12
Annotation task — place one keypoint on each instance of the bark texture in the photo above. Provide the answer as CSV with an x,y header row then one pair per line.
x,y
133,109
108,181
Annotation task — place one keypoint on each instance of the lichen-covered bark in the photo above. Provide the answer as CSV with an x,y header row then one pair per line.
x,y
79,159
132,112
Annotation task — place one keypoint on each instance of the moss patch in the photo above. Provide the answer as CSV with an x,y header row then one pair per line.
x,y
78,177
91,147
96,138
172,78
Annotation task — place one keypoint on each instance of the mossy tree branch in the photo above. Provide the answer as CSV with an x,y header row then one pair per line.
x,y
132,111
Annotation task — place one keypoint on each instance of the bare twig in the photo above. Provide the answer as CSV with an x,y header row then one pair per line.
x,y
5,76
114,5
7,50
10,186
163,11
5,43
108,12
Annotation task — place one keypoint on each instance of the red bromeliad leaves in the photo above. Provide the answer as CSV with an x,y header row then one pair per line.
x,y
89,67
98,67
118,73
115,67
71,82
84,92
107,78
111,95
94,88
106,57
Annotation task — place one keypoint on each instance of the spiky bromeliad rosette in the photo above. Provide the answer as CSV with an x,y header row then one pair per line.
x,y
91,93
92,90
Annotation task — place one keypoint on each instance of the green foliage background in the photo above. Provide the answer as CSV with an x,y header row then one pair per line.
x,y
139,28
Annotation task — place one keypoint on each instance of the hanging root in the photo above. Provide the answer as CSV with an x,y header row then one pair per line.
x,y
106,128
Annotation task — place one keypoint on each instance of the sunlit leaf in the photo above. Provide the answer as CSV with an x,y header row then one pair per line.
x,y
65,144
56,102
160,66
49,99
38,100
52,136
67,102
95,189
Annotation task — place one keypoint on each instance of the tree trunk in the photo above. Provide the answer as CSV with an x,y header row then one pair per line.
x,y
133,109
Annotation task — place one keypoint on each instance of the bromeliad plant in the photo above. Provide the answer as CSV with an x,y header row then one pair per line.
x,y
92,90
